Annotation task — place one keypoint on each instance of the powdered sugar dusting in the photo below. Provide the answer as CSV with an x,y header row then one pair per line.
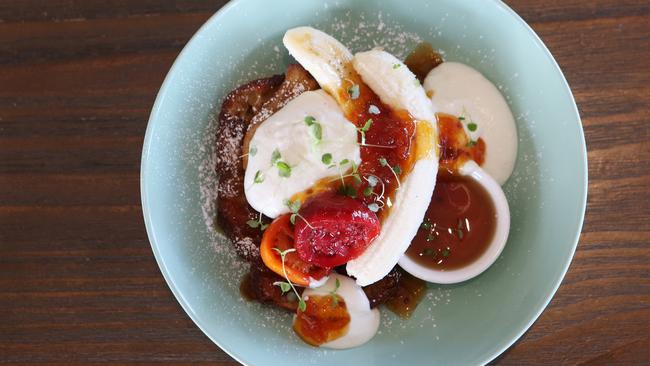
x,y
361,31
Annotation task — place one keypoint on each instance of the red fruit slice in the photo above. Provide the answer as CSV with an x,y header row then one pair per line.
x,y
333,230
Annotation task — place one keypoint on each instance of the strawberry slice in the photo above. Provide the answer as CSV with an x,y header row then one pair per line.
x,y
334,229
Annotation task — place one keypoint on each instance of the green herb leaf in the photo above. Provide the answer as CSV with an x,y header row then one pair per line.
x,y
292,218
461,118
383,161
316,132
397,169
459,233
343,162
353,91
335,297
284,286
259,177
293,206
310,120
283,253
472,126
335,300
301,304
430,237
426,224
416,82
428,251
368,191
373,109
275,156
253,223
367,125
373,207
396,66
445,253
252,151
284,170
354,166
356,179
264,226
326,158
472,143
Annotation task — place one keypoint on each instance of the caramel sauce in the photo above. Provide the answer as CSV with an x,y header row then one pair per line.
x,y
391,138
323,320
456,148
245,288
422,60
410,292
458,225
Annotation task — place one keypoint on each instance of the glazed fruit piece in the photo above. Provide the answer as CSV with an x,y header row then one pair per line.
x,y
333,229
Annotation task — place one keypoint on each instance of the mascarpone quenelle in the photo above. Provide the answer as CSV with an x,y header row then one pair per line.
x,y
285,138
460,90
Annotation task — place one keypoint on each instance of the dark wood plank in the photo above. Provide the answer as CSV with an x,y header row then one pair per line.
x,y
78,282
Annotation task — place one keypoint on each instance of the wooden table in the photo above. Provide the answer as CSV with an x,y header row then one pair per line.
x,y
78,281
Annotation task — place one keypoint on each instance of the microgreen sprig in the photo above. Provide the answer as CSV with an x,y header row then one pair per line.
x,y
379,198
251,152
315,130
257,223
333,293
259,177
284,169
471,125
354,174
462,228
294,207
364,129
275,156
396,170
286,286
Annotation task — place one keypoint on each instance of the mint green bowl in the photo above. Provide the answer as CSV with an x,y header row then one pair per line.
x,y
465,324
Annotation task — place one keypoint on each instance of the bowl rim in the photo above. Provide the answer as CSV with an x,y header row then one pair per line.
x,y
505,342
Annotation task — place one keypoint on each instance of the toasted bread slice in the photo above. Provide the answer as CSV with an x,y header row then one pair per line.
x,y
242,110
296,81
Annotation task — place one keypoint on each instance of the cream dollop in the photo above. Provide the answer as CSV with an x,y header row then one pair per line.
x,y
286,138
460,90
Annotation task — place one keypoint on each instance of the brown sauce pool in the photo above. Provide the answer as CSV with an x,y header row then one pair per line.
x,y
458,227
410,292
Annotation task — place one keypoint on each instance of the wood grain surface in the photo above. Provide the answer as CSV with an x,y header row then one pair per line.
x,y
78,281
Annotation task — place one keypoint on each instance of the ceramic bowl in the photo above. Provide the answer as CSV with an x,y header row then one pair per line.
x,y
463,324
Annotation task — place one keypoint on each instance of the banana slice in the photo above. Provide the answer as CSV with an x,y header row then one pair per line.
x,y
398,87
322,55
330,63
